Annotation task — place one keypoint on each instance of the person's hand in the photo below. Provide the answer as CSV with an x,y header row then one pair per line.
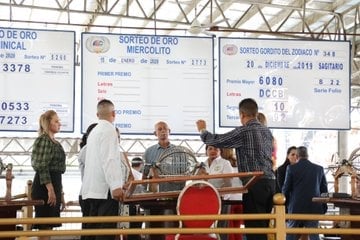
x,y
154,172
126,186
202,171
118,194
200,124
51,195
51,198
63,204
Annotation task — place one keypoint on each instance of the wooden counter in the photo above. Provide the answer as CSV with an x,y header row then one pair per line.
x,y
8,209
353,207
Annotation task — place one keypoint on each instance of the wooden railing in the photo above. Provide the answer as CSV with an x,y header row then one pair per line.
x,y
279,230
27,209
278,217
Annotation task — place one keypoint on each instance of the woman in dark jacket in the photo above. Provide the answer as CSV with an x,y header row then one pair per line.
x,y
291,158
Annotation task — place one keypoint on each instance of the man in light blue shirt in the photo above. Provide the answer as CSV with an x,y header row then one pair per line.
x,y
151,157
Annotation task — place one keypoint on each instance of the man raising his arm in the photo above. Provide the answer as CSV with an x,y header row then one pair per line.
x,y
253,144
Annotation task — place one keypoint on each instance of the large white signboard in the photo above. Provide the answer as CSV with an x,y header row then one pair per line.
x,y
149,78
37,74
297,84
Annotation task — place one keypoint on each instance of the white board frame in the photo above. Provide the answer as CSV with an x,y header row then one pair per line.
x,y
37,74
173,82
315,82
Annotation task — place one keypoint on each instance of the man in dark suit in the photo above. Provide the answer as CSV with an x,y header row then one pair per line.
x,y
304,180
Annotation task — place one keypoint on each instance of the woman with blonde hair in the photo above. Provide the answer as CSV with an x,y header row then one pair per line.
x,y
48,161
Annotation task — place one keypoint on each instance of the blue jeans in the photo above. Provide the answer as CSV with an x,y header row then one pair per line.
x,y
304,224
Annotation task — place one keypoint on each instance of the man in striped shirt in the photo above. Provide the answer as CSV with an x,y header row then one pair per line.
x,y
253,144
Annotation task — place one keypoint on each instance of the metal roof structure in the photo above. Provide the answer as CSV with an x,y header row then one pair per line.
x,y
290,19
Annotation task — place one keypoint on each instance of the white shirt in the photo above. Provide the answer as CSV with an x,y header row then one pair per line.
x,y
102,170
125,171
81,159
219,166
137,175
236,182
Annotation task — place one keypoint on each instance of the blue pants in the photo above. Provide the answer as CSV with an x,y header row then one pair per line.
x,y
305,224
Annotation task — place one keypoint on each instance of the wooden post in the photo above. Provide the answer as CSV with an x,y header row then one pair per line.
x,y
28,210
8,178
279,210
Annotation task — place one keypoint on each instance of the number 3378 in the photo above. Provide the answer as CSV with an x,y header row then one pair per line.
x,y
15,67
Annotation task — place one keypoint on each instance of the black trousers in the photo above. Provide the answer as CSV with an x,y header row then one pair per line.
x,y
133,211
85,209
259,200
102,207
